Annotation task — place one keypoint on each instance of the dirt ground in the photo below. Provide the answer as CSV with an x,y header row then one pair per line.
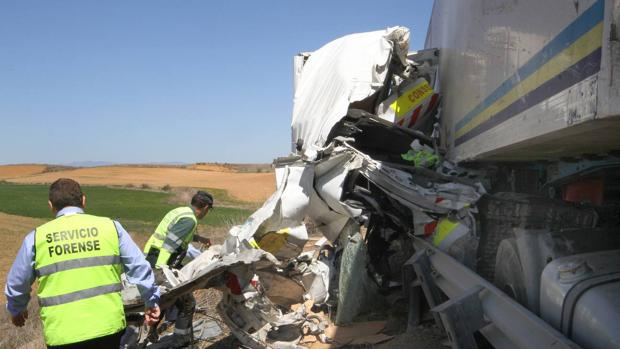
x,y
250,187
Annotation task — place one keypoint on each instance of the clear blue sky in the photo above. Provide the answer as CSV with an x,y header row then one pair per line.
x,y
161,81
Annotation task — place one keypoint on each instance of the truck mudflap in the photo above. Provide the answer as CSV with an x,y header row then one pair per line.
x,y
464,303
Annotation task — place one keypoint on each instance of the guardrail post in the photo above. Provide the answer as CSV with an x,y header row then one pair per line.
x,y
461,317
424,273
412,289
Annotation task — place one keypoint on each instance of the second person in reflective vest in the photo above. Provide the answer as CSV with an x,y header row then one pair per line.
x,y
169,245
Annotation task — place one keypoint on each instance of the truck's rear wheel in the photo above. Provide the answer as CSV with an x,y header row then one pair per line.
x,y
509,272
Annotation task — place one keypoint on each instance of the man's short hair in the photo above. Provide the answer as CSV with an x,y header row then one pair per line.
x,y
65,192
202,199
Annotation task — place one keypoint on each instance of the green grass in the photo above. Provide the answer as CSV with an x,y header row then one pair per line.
x,y
223,198
131,207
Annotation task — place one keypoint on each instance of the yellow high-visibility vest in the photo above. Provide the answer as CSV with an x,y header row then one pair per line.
x,y
158,238
447,232
77,262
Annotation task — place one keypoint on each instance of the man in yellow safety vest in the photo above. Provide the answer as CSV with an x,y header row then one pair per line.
x,y
171,241
169,245
78,260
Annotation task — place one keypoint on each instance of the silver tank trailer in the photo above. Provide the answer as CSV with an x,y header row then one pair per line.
x,y
528,79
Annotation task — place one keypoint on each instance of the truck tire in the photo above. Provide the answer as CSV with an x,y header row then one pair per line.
x,y
509,271
501,213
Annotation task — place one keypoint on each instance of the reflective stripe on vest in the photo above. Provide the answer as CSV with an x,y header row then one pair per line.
x,y
77,261
158,238
448,232
77,295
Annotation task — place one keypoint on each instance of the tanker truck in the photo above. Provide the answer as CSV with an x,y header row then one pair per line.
x,y
484,168
530,95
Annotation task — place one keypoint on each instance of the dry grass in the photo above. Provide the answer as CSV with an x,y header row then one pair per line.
x,y
249,187
28,337
15,171
13,229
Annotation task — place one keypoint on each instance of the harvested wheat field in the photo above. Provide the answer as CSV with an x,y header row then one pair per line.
x,y
17,171
13,229
250,187
211,167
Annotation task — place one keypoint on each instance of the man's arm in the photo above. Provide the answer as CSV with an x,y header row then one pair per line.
x,y
19,281
136,268
174,239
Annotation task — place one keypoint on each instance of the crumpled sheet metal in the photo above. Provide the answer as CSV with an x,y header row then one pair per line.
x,y
346,70
330,176
283,332
316,280
285,208
251,307
196,275
294,199
440,198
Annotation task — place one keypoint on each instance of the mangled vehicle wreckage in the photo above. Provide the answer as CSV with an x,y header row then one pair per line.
x,y
351,169
369,172
358,178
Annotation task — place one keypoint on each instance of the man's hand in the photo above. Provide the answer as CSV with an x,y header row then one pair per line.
x,y
151,315
19,319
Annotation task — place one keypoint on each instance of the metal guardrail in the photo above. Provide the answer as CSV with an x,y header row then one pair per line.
x,y
474,304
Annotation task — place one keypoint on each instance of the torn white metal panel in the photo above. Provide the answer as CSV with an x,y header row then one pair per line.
x,y
316,281
239,233
296,196
203,261
402,186
420,220
298,64
285,208
329,222
198,274
345,70
457,196
330,179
